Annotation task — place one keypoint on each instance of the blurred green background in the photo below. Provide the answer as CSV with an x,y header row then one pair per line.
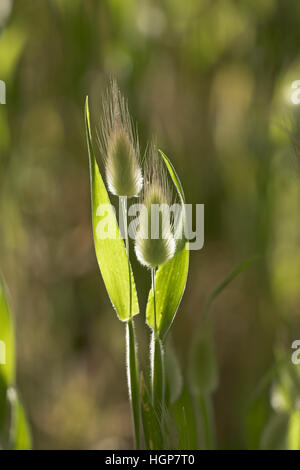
x,y
212,80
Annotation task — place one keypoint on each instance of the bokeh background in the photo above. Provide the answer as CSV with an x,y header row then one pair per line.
x,y
212,80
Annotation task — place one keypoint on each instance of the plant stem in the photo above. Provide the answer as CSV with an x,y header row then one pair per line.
x,y
131,354
157,362
133,380
154,299
124,211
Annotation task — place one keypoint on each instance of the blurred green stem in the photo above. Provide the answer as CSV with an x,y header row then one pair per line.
x,y
157,362
207,421
131,355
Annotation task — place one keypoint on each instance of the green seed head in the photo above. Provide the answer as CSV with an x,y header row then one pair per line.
x,y
119,146
155,243
123,174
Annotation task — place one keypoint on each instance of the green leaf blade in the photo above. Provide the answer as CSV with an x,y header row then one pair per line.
x,y
170,278
170,282
110,252
173,175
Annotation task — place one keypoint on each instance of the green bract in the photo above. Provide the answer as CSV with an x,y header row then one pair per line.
x,y
170,278
110,251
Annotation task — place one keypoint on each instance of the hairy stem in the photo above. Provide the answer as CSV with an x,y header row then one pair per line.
x,y
133,380
157,362
131,352
154,299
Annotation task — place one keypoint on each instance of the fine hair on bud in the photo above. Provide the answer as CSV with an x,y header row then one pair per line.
x,y
155,243
119,145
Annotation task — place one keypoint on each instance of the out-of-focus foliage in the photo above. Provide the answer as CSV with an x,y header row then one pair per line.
x,y
213,80
273,413
7,354
153,435
19,434
14,428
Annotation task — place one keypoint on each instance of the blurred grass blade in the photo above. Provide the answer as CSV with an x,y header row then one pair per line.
x,y
170,278
110,252
202,364
174,379
7,351
240,268
202,367
274,433
203,380
151,425
207,422
294,431
289,382
20,435
184,414
259,406
256,417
